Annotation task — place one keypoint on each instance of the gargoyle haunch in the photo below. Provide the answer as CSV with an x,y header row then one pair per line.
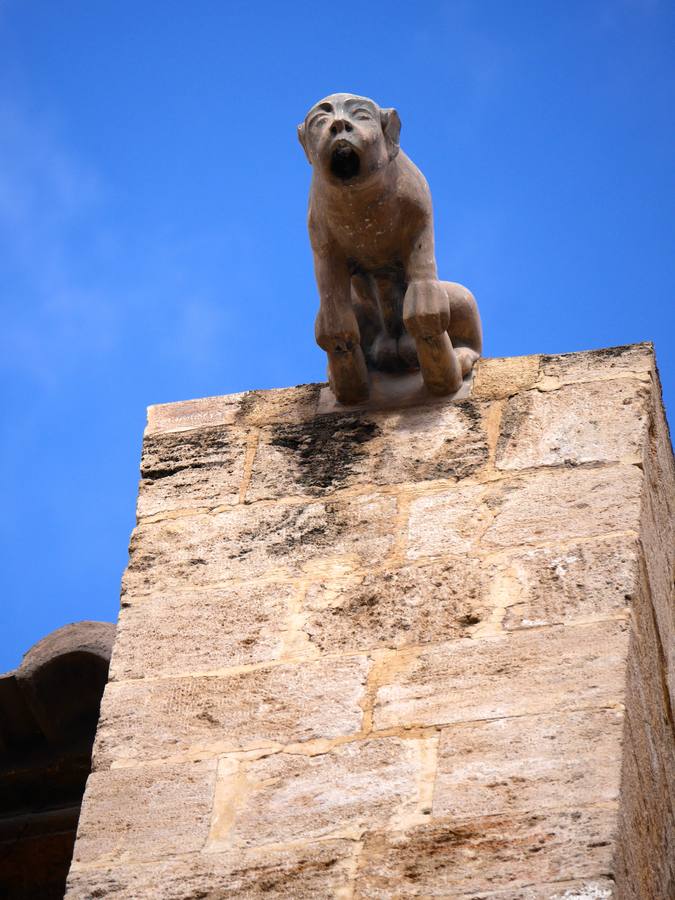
x,y
372,233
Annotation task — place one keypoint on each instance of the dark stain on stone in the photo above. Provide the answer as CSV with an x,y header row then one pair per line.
x,y
471,618
325,450
602,353
166,454
247,405
252,404
516,411
273,878
471,410
313,526
464,456
439,842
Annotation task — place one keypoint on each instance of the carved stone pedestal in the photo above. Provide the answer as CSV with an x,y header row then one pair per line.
x,y
414,652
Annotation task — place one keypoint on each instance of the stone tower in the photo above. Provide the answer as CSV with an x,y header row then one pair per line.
x,y
393,651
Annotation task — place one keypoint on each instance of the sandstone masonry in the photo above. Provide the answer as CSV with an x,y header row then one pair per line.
x,y
409,652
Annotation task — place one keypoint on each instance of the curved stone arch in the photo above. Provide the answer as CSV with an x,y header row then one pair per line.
x,y
48,714
63,675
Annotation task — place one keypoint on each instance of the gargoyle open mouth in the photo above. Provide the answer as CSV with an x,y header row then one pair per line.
x,y
344,162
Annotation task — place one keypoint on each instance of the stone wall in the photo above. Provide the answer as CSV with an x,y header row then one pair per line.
x,y
421,652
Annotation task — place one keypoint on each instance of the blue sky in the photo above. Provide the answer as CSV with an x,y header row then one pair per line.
x,y
152,220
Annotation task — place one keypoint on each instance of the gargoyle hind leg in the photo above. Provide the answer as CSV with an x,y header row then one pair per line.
x,y
465,330
443,318
426,313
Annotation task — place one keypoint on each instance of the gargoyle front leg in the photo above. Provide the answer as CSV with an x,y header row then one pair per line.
x,y
337,330
426,315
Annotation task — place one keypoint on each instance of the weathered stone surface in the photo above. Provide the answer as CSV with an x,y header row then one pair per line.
x,y
648,703
248,408
304,872
451,859
314,457
200,631
528,672
660,564
581,423
543,507
338,451
295,404
562,583
246,542
591,365
281,704
645,865
498,378
191,469
206,412
145,813
594,888
558,505
397,607
645,859
298,798
448,523
658,532
528,763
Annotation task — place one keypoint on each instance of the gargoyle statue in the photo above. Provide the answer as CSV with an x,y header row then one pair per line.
x,y
371,227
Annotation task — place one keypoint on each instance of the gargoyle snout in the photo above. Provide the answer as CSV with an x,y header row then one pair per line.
x,y
340,125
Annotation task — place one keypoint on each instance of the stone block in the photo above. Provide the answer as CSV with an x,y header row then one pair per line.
x,y
658,531
262,707
593,888
562,583
341,450
252,541
304,872
650,731
648,696
484,856
314,457
396,607
145,813
496,379
645,859
164,418
191,469
548,506
581,423
248,408
543,506
294,404
448,523
525,673
299,798
528,763
594,365
188,632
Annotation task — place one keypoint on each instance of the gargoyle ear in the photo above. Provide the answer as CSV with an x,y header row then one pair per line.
x,y
391,127
301,138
